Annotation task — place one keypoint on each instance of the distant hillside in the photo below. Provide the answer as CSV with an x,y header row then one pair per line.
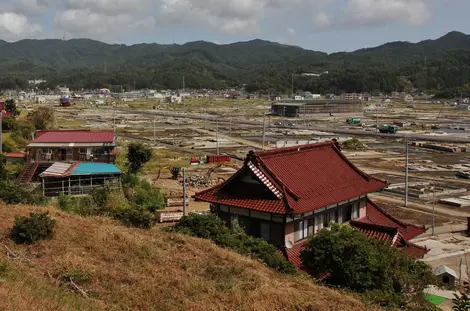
x,y
131,269
261,65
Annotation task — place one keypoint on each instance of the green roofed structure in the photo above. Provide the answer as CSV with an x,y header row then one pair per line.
x,y
79,177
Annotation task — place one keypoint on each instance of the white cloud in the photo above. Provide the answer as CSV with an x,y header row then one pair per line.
x,y
240,17
373,12
91,24
110,7
15,27
124,19
322,20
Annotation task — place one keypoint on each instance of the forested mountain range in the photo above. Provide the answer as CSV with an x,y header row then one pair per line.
x,y
441,65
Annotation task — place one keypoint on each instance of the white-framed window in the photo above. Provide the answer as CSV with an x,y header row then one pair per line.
x,y
355,211
300,230
318,223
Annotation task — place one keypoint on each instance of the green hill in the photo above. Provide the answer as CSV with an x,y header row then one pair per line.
x,y
262,65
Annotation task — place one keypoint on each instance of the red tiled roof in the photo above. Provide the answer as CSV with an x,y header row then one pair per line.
x,y
78,136
372,231
293,254
415,251
15,155
376,215
301,178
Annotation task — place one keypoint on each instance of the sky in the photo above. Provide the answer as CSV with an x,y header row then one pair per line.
x,y
322,25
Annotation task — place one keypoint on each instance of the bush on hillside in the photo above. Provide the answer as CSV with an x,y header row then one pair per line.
x,y
213,228
135,217
28,230
385,275
146,196
12,193
111,203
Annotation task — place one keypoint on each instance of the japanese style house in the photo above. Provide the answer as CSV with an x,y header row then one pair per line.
x,y
286,195
48,147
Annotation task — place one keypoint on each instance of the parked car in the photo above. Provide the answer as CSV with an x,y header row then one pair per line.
x,y
291,124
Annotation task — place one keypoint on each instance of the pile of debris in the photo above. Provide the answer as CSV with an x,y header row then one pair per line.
x,y
196,181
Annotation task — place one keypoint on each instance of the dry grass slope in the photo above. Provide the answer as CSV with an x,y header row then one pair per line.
x,y
130,269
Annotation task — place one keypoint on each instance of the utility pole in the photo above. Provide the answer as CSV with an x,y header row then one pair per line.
x,y
406,171
184,191
292,85
377,116
433,210
205,117
114,117
1,132
264,128
217,135
154,127
230,123
184,84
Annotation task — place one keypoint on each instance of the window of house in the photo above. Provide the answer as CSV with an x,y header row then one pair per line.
x,y
265,231
355,211
347,213
318,223
311,226
333,216
300,230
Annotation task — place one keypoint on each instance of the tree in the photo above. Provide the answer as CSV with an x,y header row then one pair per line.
x,y
3,169
42,117
8,123
10,106
138,154
383,274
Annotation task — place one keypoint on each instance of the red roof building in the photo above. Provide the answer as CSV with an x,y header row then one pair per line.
x,y
285,195
48,147
74,136
4,114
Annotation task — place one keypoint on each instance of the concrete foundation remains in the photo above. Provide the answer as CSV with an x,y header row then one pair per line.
x,y
424,190
459,202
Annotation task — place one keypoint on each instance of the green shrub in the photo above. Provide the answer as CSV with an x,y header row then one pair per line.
x,y
213,228
353,144
135,217
12,193
28,230
386,275
146,196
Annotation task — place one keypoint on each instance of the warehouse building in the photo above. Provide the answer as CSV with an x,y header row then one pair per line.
x,y
295,108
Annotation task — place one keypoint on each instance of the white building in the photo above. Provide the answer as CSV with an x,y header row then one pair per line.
x,y
36,82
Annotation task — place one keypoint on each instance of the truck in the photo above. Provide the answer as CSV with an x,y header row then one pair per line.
x,y
388,129
353,120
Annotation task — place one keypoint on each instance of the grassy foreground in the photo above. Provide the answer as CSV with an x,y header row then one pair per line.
x,y
121,268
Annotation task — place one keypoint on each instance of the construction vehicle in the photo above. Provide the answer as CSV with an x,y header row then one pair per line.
x,y
353,121
388,129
